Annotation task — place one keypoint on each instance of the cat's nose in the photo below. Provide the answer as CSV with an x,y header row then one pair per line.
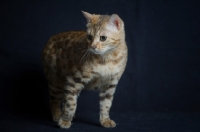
x,y
94,46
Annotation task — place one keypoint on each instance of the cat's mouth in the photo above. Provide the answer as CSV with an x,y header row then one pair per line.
x,y
96,51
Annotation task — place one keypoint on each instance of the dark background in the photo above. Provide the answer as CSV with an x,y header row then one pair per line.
x,y
159,91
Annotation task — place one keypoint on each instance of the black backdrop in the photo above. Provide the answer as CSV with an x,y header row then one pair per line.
x,y
161,81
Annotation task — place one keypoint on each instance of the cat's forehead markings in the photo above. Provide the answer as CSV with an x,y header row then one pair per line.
x,y
96,27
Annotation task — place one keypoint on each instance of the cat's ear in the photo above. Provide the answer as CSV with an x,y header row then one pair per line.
x,y
88,16
114,22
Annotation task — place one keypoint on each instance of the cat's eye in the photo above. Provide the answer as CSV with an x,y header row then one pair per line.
x,y
89,37
103,38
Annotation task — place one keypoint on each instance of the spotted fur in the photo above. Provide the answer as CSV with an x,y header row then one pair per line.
x,y
78,60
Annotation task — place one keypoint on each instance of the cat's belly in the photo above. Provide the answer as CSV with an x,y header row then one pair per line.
x,y
97,83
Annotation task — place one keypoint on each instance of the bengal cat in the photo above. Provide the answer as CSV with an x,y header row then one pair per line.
x,y
93,59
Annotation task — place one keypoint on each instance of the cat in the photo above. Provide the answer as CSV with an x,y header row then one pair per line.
x,y
93,59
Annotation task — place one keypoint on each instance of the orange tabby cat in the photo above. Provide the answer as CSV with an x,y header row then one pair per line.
x,y
92,59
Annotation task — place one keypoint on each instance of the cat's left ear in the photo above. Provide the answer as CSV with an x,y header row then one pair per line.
x,y
114,22
88,16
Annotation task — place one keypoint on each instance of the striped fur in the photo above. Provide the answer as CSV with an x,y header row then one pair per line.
x,y
73,62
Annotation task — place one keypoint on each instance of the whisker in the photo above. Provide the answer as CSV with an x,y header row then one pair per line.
x,y
83,22
87,55
84,55
81,48
84,50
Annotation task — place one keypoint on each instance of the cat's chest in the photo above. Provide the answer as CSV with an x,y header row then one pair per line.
x,y
108,69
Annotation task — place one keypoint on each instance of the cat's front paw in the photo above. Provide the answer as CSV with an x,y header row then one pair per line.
x,y
108,123
64,123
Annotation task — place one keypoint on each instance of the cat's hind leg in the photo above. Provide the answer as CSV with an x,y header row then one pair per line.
x,y
56,95
71,91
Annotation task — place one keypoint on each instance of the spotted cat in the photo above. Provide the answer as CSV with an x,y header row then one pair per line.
x,y
93,59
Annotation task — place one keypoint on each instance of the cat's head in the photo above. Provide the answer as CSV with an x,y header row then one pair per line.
x,y
104,32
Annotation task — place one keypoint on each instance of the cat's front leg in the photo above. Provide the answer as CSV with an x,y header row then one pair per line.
x,y
106,98
71,91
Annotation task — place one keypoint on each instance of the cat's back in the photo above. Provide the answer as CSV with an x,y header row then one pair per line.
x,y
64,39
62,42
69,35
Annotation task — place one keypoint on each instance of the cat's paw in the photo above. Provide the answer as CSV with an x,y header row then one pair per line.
x,y
108,123
64,124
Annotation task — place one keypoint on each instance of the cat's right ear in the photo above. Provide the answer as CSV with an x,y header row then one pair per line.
x,y
88,16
